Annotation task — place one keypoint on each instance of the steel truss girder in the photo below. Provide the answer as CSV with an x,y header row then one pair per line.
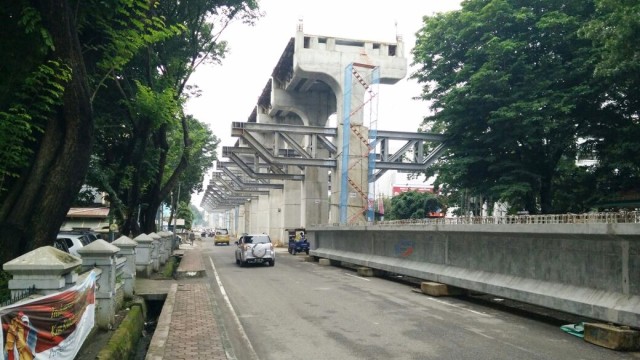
x,y
226,169
270,158
256,175
238,127
300,157
221,182
216,195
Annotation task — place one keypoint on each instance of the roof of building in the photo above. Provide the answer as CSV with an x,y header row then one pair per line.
x,y
95,212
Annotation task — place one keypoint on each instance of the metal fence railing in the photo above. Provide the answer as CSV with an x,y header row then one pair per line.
x,y
18,296
632,217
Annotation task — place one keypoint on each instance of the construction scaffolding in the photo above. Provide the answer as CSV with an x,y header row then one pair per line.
x,y
361,87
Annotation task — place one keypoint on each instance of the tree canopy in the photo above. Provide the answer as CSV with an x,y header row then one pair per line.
x,y
93,94
414,205
515,86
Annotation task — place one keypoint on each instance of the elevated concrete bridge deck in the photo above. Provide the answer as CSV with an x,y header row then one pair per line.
x,y
588,269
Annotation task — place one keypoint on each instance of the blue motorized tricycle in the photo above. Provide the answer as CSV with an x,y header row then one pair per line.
x,y
297,241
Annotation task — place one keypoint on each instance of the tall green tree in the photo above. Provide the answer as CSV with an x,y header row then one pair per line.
x,y
414,205
510,84
158,147
614,139
71,67
45,120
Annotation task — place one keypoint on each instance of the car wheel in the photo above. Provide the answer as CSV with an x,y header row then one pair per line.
x,y
272,262
237,262
307,252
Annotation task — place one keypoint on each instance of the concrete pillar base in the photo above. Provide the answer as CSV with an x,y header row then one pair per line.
x,y
348,265
143,271
438,289
105,311
365,271
620,338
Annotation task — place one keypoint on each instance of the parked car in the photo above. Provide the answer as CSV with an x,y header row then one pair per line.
x,y
73,240
72,243
221,237
61,244
255,249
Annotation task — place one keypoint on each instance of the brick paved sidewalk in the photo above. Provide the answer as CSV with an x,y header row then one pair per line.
x,y
187,327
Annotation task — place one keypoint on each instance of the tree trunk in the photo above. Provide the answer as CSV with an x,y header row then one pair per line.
x,y
32,217
159,192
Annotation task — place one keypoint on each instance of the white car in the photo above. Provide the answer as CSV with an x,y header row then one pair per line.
x,y
73,241
255,249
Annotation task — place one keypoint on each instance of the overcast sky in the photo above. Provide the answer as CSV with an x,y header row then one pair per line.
x,y
230,91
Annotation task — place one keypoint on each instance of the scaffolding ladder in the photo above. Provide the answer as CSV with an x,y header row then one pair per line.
x,y
368,78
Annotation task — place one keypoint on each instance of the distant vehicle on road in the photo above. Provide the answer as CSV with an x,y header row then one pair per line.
x,y
221,237
255,249
298,246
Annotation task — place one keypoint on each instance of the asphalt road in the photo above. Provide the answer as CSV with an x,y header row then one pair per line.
x,y
302,310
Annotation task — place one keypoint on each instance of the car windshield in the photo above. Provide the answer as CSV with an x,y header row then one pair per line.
x,y
222,232
256,239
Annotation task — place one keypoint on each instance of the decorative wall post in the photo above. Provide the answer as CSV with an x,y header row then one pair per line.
x,y
164,246
143,255
46,268
155,252
169,243
102,255
161,248
128,251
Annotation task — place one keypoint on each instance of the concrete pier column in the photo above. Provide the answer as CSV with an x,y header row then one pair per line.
x,y
233,221
155,251
253,220
242,214
263,214
102,255
353,161
46,268
315,195
292,209
143,255
128,251
276,219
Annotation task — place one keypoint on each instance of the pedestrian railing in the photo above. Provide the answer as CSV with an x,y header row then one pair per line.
x,y
632,217
19,295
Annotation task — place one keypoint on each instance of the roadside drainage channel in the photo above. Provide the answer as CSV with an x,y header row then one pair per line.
x,y
131,339
155,304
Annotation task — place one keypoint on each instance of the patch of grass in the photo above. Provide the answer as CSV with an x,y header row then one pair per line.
x,y
170,267
123,342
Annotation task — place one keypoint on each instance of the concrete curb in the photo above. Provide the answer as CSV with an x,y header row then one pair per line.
x,y
160,336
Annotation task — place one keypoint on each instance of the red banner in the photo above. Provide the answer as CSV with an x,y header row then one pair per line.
x,y
50,327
